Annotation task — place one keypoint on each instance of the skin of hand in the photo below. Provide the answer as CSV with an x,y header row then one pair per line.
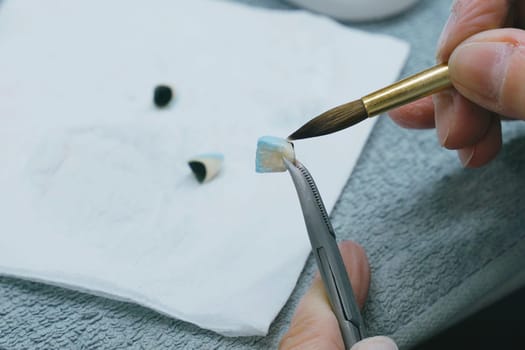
x,y
314,325
484,45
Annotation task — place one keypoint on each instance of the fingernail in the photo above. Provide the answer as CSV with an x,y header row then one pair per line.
x,y
444,114
466,154
375,343
444,35
480,67
446,31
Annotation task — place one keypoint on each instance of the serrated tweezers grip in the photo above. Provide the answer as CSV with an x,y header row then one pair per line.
x,y
327,255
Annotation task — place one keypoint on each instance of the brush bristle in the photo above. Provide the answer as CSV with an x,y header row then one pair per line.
x,y
333,120
271,152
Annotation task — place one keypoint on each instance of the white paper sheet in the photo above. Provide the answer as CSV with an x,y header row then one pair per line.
x,y
96,192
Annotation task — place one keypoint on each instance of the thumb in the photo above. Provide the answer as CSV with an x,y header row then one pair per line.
x,y
314,325
489,69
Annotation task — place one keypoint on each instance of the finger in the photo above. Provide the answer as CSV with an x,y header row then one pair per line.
x,y
416,115
314,325
485,150
375,343
459,122
489,69
467,18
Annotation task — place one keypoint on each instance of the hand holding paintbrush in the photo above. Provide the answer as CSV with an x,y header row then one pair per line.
x,y
486,71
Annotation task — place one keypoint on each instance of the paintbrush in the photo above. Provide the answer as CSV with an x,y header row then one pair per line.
x,y
404,91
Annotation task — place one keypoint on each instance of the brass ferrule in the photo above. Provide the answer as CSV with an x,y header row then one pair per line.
x,y
407,90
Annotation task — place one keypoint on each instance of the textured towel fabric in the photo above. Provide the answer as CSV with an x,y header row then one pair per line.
x,y
97,192
441,240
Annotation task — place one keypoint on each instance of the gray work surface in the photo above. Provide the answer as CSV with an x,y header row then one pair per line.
x,y
442,241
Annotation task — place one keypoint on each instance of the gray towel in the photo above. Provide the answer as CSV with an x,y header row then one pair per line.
x,y
442,241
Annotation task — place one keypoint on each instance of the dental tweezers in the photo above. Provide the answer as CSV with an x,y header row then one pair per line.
x,y
327,255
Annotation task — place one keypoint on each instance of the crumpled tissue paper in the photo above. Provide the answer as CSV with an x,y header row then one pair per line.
x,y
96,192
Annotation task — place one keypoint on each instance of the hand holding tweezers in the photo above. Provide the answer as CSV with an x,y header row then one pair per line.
x,y
327,255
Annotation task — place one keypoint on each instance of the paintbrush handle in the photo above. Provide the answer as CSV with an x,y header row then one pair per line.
x,y
407,90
